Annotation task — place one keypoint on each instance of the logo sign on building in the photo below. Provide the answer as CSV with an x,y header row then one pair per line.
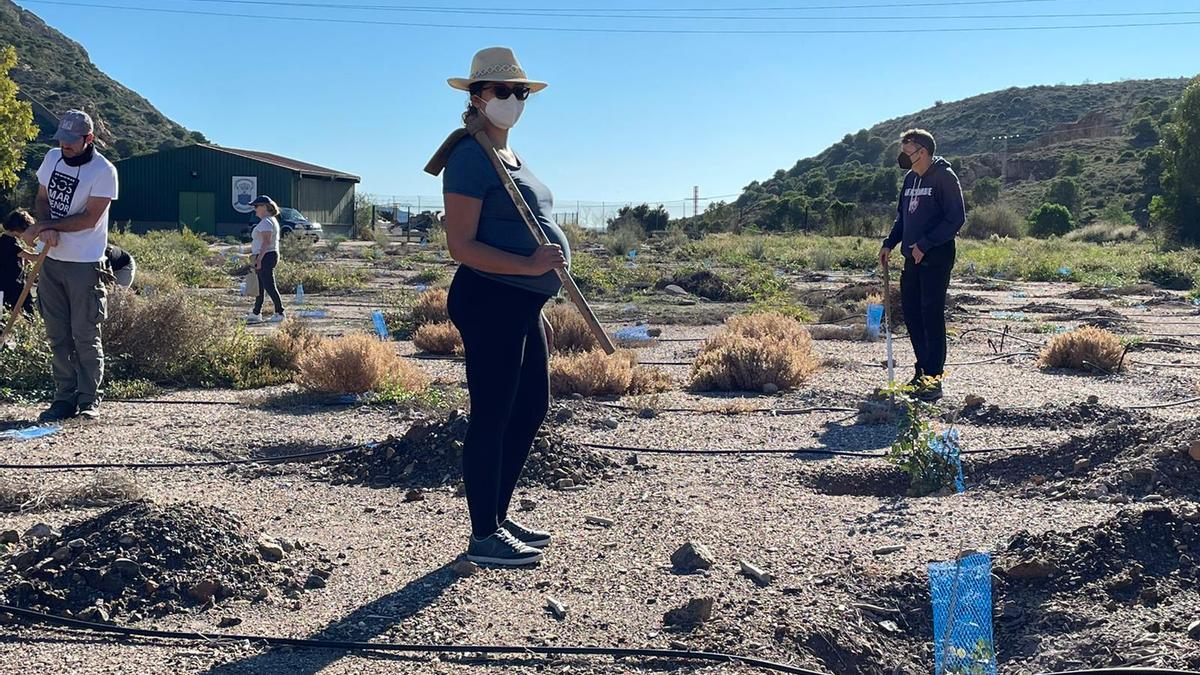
x,y
245,189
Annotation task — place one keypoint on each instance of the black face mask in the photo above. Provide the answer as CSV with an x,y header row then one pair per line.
x,y
905,160
82,158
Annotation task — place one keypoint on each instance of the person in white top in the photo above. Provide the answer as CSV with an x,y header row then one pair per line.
x,y
264,250
76,184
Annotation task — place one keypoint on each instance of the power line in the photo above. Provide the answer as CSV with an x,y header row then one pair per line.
x,y
558,10
633,31
682,17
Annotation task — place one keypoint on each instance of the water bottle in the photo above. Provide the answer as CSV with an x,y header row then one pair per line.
x,y
299,294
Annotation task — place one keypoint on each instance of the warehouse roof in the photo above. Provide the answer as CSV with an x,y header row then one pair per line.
x,y
287,163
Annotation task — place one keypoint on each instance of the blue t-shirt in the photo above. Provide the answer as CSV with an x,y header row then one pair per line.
x,y
470,173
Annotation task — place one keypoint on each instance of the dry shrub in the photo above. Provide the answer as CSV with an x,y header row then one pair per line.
x,y
853,332
598,374
1087,349
103,490
754,350
438,338
285,347
430,307
151,336
571,331
355,364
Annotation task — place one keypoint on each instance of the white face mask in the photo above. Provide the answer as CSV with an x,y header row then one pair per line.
x,y
504,112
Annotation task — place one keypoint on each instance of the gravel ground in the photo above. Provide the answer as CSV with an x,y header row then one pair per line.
x,y
832,532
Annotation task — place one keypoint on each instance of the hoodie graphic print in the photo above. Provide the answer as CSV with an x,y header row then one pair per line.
x,y
931,210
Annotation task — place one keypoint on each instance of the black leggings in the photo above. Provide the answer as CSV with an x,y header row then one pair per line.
x,y
509,382
923,296
266,282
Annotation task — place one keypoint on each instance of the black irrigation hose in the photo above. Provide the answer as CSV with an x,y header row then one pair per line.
x,y
170,402
777,451
1152,406
196,464
1008,335
731,411
1131,670
1165,365
718,657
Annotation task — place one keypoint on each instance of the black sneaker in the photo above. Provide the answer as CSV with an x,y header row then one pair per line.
x,y
89,410
525,535
58,411
501,548
915,382
930,389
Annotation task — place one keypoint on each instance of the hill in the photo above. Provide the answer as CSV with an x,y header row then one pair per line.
x,y
55,74
1096,133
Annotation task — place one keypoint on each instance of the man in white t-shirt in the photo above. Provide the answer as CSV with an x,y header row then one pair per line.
x,y
76,185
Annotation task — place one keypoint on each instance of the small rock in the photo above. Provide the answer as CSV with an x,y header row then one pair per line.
x,y
564,415
127,539
610,422
1190,513
597,520
647,413
204,590
528,504
1038,479
40,531
314,580
95,614
756,573
888,550
126,566
62,554
631,460
1032,569
973,401
1093,399
1194,451
1151,499
889,626
464,568
414,495
697,610
654,332
675,290
77,544
270,551
770,388
692,556
1193,630
1082,464
10,537
556,608
228,622
565,484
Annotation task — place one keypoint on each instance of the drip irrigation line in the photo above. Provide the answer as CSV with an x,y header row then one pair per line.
x,y
718,411
779,451
997,357
1165,365
170,401
187,465
310,643
1153,406
1007,336
1168,345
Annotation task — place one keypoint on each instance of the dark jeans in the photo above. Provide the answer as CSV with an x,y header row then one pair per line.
x,y
266,282
923,296
509,383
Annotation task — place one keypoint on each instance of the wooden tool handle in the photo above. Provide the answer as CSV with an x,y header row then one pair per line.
x,y
18,309
539,236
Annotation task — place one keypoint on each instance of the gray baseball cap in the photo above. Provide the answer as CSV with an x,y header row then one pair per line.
x,y
74,125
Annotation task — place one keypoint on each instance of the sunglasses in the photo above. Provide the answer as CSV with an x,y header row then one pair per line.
x,y
503,91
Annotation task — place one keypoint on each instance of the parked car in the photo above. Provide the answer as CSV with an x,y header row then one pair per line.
x,y
291,222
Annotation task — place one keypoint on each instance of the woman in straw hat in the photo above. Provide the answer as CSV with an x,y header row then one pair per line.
x,y
265,252
496,300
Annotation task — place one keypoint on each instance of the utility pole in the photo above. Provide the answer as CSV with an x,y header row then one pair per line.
x,y
695,200
1004,155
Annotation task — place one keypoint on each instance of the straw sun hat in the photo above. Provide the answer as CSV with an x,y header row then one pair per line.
x,y
495,64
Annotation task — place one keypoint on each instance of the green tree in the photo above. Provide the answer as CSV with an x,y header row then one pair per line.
x,y
16,123
1072,165
1144,132
985,191
1050,219
1064,191
1178,207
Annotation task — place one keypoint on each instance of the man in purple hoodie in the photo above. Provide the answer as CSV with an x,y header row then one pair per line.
x,y
930,214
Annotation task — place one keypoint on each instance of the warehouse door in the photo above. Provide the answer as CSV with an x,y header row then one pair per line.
x,y
198,211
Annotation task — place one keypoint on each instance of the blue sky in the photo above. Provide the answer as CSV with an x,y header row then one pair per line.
x,y
628,117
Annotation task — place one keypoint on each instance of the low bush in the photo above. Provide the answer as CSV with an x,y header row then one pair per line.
x,y
595,373
319,278
296,248
753,351
571,330
1087,349
1173,272
832,314
1049,220
285,347
1103,232
25,362
430,307
429,275
853,332
178,255
438,338
996,220
356,364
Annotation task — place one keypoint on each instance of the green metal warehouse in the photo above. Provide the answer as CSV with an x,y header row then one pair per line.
x,y
208,188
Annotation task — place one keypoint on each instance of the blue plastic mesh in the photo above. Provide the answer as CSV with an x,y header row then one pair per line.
x,y
633,334
961,592
30,433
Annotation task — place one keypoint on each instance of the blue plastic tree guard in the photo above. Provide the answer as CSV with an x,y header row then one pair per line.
x,y
30,433
380,325
633,334
874,319
961,592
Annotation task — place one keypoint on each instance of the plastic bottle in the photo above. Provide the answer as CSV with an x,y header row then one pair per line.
x,y
299,294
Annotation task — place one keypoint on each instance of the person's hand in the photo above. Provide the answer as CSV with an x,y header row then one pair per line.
x,y
546,258
30,235
50,237
918,254
884,254
258,263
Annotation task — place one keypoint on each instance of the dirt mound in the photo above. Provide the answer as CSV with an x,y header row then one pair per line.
x,y
705,284
954,300
1050,416
1044,308
1165,344
144,560
430,455
859,477
1087,293
1121,462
